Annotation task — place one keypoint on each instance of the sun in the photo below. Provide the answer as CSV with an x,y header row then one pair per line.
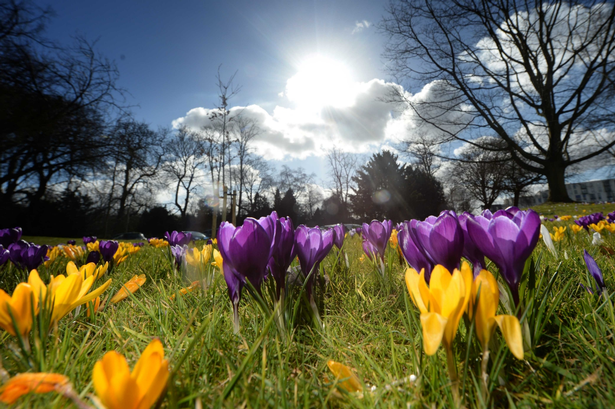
x,y
319,82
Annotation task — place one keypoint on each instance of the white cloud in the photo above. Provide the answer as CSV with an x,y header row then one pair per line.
x,y
360,26
295,131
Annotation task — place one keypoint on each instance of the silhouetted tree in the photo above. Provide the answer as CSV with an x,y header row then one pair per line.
x,y
386,189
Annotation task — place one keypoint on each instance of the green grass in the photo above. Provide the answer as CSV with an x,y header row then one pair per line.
x,y
369,326
580,209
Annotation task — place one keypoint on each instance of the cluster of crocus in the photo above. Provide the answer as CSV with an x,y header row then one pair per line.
x,y
199,259
155,242
66,292
62,295
611,217
269,244
119,388
89,239
52,254
73,252
87,270
576,228
507,237
4,255
27,256
10,236
443,301
586,221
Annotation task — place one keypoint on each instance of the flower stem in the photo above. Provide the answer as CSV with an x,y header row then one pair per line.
x,y
452,373
484,374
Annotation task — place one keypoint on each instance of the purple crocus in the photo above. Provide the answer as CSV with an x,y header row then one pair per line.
x,y
595,271
369,249
508,241
89,239
9,236
340,233
234,284
71,242
176,238
178,253
27,256
414,255
4,255
312,246
93,257
139,244
107,249
470,251
246,249
440,238
378,234
283,253
611,217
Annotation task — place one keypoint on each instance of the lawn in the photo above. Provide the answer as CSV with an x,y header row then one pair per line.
x,y
370,324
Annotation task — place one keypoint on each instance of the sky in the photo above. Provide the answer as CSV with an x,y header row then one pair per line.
x,y
310,71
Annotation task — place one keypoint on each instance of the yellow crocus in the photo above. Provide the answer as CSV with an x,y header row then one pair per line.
x,y
67,292
610,227
20,307
485,290
118,388
120,255
52,254
218,260
565,218
87,270
576,228
131,286
93,246
558,234
597,227
73,252
442,303
393,239
350,381
199,258
24,383
158,243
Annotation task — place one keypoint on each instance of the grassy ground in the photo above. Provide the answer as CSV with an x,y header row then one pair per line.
x,y
579,209
369,325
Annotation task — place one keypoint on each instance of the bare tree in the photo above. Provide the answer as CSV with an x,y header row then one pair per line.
x,y
184,161
246,130
425,150
536,74
257,179
342,167
134,157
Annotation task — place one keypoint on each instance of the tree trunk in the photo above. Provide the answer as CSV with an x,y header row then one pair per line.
x,y
557,184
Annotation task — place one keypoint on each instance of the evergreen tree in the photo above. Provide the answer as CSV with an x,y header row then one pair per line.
x,y
386,189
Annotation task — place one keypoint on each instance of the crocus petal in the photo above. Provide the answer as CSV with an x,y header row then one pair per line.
x,y
433,325
351,382
412,282
511,329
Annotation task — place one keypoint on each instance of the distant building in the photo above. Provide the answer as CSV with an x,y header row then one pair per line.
x,y
591,191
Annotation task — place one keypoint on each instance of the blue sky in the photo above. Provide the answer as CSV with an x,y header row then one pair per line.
x,y
168,53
